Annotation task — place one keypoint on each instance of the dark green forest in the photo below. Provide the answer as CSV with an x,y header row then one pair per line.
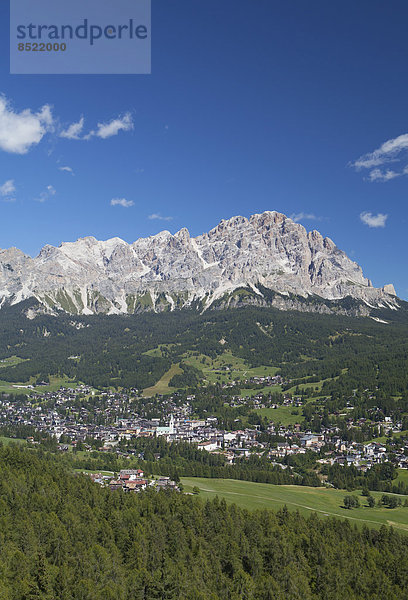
x,y
63,537
361,352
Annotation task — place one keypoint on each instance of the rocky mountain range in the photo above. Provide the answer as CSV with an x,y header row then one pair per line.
x,y
235,262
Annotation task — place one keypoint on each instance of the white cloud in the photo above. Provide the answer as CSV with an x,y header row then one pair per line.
x,y
296,217
391,151
159,217
19,131
103,130
378,175
106,130
122,202
371,220
46,194
7,188
73,132
67,170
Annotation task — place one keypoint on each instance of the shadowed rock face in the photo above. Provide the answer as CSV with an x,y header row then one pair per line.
x,y
90,276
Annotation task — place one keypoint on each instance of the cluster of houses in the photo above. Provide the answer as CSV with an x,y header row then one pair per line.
x,y
132,480
261,380
264,380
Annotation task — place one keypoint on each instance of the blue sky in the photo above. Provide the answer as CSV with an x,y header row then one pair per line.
x,y
251,106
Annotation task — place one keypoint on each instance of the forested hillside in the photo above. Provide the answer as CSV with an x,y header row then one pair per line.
x,y
112,350
63,537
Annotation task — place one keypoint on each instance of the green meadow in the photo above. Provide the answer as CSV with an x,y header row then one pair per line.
x,y
282,414
226,367
11,361
326,502
162,386
8,387
21,388
7,441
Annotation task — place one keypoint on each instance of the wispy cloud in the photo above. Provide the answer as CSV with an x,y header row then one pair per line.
x,y
296,217
378,175
102,131
7,191
46,194
159,217
122,202
106,130
371,220
19,131
73,132
66,169
7,188
391,151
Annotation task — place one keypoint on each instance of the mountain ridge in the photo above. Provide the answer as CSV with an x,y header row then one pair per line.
x,y
266,251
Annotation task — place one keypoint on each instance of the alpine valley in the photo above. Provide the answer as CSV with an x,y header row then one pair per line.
x,y
266,260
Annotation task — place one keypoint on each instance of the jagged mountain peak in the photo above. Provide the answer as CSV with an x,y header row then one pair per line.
x,y
266,251
270,216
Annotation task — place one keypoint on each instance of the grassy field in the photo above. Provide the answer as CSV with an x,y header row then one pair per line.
x,y
226,367
56,383
402,476
313,387
21,388
11,361
324,501
160,350
282,414
6,441
7,388
274,389
384,438
162,386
